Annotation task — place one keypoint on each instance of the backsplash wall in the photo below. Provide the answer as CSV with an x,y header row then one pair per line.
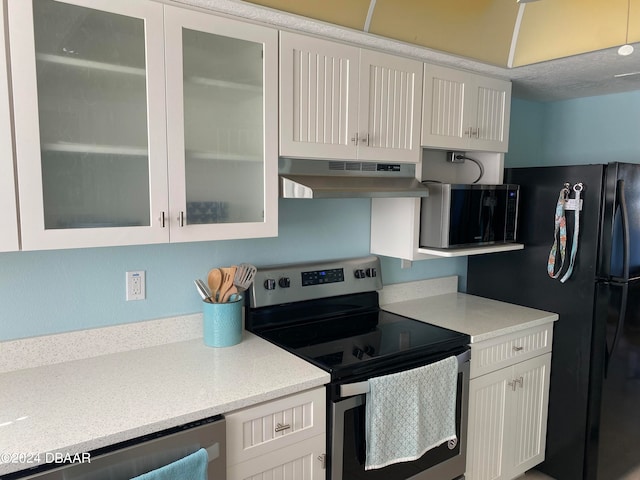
x,y
47,292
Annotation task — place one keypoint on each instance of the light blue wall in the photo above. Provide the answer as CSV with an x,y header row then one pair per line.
x,y
56,291
586,130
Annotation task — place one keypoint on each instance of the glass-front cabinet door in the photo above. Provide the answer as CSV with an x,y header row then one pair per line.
x,y
90,124
222,113
9,228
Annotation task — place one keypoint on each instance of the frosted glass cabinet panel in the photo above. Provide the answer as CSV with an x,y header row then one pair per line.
x,y
88,82
9,230
222,135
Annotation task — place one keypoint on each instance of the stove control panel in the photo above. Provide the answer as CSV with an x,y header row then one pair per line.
x,y
318,277
275,285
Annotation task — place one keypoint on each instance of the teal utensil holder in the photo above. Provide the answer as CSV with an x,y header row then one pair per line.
x,y
222,323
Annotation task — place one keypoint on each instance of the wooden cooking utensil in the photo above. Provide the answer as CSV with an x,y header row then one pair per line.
x,y
214,279
228,274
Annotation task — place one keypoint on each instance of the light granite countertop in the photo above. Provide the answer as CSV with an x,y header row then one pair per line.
x,y
80,405
478,317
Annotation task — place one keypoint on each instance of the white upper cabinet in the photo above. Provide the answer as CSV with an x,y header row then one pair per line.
x,y
222,127
88,87
9,230
465,111
342,102
98,160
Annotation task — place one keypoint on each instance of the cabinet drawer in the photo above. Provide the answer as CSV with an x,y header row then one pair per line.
x,y
269,426
510,349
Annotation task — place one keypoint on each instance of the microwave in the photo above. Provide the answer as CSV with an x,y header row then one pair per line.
x,y
455,215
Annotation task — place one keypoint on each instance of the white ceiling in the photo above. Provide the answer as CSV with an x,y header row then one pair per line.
x,y
582,75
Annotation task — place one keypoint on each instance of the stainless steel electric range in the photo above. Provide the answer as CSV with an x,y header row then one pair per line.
x,y
328,314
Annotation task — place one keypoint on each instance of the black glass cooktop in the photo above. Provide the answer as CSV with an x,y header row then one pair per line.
x,y
346,342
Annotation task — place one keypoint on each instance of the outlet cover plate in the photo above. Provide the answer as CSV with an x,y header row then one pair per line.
x,y
135,285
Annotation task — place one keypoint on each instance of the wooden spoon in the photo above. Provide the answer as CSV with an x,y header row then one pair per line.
x,y
214,279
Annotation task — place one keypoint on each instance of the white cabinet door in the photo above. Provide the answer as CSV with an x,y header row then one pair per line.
x,y
222,87
302,461
90,129
490,114
318,98
530,408
508,420
445,99
488,414
389,108
465,111
342,102
9,230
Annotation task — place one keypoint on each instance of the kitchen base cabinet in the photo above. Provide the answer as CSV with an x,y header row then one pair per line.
x,y
302,461
508,406
284,438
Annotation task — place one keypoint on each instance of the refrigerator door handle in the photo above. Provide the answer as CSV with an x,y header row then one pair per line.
x,y
626,249
624,216
622,312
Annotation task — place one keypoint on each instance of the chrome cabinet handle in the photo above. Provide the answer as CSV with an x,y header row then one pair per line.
x,y
280,427
354,139
517,349
323,461
476,132
181,219
514,383
366,139
162,220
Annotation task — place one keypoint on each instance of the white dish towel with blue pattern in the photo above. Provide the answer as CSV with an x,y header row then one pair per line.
x,y
410,412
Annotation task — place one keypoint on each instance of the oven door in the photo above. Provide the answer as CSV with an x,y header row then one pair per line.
x,y
347,440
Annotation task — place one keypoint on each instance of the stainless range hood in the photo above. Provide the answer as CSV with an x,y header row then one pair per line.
x,y
302,178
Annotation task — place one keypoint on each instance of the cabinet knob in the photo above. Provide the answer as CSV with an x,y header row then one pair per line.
x,y
517,349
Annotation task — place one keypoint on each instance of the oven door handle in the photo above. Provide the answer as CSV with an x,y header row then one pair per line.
x,y
360,388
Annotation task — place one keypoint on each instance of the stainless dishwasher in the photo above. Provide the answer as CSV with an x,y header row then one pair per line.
x,y
140,455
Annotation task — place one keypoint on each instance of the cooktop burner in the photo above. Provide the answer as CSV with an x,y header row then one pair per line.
x,y
339,342
328,314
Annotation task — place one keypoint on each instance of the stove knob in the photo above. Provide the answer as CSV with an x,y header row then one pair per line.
x,y
358,353
360,273
284,282
369,350
270,284
372,272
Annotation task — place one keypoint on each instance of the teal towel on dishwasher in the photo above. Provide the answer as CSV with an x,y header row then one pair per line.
x,y
410,412
191,467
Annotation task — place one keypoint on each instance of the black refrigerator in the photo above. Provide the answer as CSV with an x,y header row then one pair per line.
x,y
593,429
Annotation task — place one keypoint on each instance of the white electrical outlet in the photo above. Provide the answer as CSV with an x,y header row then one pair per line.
x,y
135,285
